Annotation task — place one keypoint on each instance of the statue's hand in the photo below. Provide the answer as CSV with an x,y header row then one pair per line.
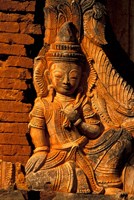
x,y
72,114
35,162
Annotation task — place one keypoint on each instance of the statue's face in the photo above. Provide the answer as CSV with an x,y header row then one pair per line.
x,y
65,77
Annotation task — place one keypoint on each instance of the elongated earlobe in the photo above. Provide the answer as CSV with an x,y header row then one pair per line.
x,y
47,77
51,92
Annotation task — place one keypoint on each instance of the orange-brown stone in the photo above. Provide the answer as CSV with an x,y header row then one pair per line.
x,y
14,139
12,49
13,106
14,159
9,27
12,95
14,17
14,117
14,72
82,122
16,38
24,62
18,128
15,6
6,83
34,29
18,150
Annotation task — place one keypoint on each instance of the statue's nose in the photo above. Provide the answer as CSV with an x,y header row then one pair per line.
x,y
66,79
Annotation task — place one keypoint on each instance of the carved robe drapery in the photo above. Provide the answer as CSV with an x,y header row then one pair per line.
x,y
65,146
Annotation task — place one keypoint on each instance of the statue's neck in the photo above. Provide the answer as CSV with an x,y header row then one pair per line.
x,y
64,98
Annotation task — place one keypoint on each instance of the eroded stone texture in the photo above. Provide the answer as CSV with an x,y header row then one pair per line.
x,y
16,38
12,95
26,6
82,122
14,17
7,175
16,61
16,107
9,27
12,49
23,195
33,29
17,24
14,72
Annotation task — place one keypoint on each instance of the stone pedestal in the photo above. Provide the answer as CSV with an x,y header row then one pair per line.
x,y
36,195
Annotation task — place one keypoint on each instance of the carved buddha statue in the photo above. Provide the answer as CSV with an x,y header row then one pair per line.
x,y
74,151
63,122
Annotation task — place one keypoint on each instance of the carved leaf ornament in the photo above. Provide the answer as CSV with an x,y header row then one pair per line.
x,y
105,85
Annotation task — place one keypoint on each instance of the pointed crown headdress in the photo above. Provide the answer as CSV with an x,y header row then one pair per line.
x,y
66,46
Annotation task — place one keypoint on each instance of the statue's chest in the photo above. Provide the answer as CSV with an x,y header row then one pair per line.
x,y
59,126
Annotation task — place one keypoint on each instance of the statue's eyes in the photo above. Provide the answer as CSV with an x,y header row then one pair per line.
x,y
58,75
73,75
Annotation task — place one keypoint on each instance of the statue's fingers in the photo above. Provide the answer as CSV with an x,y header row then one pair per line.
x,y
28,169
29,163
29,166
39,164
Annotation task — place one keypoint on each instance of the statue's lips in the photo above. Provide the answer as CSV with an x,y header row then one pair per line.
x,y
66,87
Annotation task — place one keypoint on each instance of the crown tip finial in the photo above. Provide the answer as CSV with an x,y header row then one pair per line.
x,y
67,33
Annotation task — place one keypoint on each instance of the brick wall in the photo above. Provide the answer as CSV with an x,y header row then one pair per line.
x,y
19,28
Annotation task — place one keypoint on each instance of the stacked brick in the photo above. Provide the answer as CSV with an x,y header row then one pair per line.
x,y
17,32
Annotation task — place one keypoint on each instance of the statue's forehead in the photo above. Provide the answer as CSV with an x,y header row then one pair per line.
x,y
65,69
64,66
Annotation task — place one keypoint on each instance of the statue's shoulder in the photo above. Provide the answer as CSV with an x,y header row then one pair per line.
x,y
44,101
41,102
40,106
42,109
47,107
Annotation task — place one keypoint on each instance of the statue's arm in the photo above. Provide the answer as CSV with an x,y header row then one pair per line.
x,y
89,125
92,131
85,121
38,136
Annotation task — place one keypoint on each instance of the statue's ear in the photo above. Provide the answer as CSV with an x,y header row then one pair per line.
x,y
47,76
51,91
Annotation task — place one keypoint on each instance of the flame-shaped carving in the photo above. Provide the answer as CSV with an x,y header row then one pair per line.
x,y
110,87
39,78
94,24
